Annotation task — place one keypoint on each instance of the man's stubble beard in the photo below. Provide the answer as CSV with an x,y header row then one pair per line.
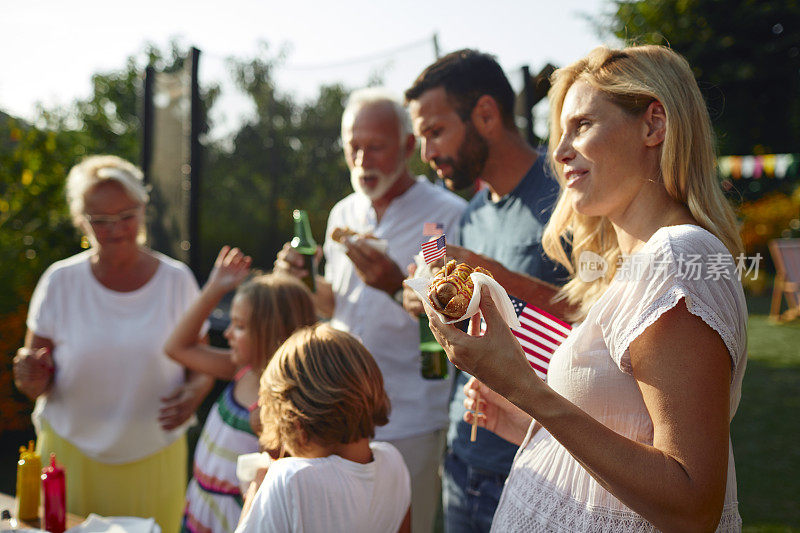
x,y
470,160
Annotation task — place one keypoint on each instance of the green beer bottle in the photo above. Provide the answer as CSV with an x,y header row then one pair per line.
x,y
303,242
433,358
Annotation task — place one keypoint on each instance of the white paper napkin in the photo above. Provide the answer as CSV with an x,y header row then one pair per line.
x,y
379,244
248,464
95,523
498,293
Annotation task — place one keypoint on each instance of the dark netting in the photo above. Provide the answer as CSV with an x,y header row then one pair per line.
x,y
169,172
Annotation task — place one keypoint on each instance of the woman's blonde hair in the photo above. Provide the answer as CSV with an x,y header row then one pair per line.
x,y
279,304
322,386
96,169
632,78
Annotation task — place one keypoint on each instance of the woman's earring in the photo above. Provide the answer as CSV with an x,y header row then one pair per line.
x,y
85,241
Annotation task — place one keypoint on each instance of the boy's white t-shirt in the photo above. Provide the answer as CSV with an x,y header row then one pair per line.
x,y
111,369
332,494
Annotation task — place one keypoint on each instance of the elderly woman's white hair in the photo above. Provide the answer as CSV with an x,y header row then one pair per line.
x,y
97,169
361,98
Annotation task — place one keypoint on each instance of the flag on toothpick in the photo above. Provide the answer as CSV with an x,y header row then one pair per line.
x,y
434,249
432,229
539,335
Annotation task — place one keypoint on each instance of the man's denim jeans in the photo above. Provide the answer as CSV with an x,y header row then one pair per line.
x,y
469,496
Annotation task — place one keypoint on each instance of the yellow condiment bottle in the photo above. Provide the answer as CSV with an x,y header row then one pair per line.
x,y
29,469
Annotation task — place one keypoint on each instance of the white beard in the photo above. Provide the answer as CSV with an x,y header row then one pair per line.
x,y
383,184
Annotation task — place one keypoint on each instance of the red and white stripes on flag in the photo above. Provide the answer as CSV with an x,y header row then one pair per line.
x,y
539,335
434,249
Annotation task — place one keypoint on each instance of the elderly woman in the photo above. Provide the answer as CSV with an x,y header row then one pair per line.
x,y
631,430
110,404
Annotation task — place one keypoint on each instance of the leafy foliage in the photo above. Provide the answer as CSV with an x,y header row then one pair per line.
x,y
745,55
34,231
287,156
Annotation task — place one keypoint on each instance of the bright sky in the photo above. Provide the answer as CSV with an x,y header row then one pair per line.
x,y
50,48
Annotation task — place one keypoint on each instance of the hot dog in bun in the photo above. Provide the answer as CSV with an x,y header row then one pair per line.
x,y
451,288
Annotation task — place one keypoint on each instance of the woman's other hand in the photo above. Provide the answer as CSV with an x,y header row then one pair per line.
x,y
230,269
494,412
33,371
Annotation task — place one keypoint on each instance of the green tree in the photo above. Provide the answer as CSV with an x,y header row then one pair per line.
x,y
35,230
745,55
287,156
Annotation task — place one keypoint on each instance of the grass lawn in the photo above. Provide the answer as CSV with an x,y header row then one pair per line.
x,y
766,428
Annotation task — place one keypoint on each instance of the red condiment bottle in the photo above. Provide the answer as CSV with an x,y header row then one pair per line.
x,y
55,497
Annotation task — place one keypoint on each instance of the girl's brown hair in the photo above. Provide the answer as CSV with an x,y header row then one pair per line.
x,y
279,305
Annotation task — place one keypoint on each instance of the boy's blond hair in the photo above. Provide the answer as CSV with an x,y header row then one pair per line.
x,y
322,386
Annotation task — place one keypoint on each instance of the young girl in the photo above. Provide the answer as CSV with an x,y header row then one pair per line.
x,y
264,312
321,397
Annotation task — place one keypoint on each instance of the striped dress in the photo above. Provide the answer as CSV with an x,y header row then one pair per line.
x,y
213,498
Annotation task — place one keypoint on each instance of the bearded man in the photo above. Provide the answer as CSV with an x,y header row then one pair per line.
x,y
462,109
362,288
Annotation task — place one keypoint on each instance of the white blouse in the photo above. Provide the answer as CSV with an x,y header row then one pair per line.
x,y
547,489
111,369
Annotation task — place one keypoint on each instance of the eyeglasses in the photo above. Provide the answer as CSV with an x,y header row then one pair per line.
x,y
106,221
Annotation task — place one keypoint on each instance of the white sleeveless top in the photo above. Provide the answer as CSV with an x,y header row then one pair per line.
x,y
547,490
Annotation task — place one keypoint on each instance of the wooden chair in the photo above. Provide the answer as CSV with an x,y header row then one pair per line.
x,y
786,256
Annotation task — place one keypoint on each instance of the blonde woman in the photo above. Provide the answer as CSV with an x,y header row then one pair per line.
x,y
631,430
322,397
109,403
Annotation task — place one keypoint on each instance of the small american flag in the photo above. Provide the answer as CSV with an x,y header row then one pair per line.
x,y
434,249
539,335
432,229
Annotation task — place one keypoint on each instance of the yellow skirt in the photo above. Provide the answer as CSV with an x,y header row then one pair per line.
x,y
151,487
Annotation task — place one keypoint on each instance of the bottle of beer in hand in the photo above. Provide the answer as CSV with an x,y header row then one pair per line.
x,y
433,358
303,242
